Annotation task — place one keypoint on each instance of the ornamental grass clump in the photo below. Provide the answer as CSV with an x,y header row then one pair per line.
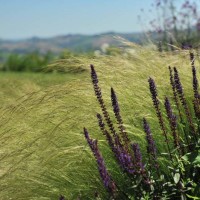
x,y
145,175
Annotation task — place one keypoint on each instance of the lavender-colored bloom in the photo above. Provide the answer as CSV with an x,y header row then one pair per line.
x,y
100,120
179,90
94,75
95,81
195,82
125,160
87,137
121,154
151,147
114,101
106,178
106,133
153,90
177,82
138,158
116,111
98,94
194,75
175,93
173,125
170,115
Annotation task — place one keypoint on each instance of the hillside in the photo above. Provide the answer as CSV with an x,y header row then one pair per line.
x,y
77,43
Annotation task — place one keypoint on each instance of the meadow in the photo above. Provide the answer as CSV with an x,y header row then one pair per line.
x,y
43,151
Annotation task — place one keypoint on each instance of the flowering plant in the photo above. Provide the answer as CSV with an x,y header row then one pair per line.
x,y
146,177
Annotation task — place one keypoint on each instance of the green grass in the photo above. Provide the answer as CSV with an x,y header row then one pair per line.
x,y
15,85
43,152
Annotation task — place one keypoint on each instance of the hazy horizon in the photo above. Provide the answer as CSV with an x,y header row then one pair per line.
x,y
67,34
22,19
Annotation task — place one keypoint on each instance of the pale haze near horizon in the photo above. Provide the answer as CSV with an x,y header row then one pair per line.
x,y
47,18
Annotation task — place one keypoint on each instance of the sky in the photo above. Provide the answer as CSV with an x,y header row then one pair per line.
x,y
46,18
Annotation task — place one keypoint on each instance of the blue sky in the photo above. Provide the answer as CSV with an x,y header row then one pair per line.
x,y
46,18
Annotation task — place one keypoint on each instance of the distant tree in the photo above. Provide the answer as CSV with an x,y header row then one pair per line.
x,y
13,63
33,62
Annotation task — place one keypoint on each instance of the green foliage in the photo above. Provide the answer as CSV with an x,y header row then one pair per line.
x,y
33,62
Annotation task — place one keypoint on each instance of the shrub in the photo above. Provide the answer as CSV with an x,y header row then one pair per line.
x,y
33,62
146,177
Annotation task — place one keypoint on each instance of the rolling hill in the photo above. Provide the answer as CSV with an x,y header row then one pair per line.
x,y
73,42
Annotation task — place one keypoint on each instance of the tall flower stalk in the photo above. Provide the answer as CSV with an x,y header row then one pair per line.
x,y
180,92
98,94
121,154
196,101
175,95
151,147
106,178
138,158
173,125
153,90
116,111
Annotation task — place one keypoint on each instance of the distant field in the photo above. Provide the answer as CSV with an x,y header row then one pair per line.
x,y
43,152
16,84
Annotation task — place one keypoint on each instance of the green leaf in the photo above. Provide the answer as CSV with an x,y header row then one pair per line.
x,y
193,157
192,197
177,177
197,159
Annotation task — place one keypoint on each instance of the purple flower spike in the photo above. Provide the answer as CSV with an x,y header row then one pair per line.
x,y
180,92
175,93
106,178
116,111
114,101
93,75
125,160
98,94
153,90
173,124
196,101
195,82
106,133
177,82
138,158
151,147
